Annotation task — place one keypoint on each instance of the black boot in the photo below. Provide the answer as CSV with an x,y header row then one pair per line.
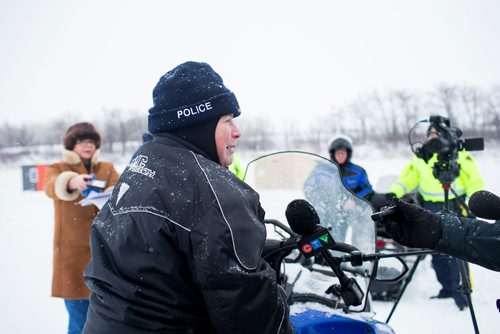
x,y
460,300
443,294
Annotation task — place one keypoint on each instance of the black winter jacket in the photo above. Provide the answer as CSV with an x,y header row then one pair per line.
x,y
177,249
471,240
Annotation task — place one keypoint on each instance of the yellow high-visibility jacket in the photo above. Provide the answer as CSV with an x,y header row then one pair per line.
x,y
236,167
418,174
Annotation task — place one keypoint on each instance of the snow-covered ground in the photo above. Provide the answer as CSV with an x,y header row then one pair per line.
x,y
26,232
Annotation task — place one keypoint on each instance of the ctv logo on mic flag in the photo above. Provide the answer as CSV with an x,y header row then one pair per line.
x,y
317,242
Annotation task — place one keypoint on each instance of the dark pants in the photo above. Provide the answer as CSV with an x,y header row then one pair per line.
x,y
447,272
77,310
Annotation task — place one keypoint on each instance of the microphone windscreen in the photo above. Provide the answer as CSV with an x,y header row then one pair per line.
x,y
485,204
302,217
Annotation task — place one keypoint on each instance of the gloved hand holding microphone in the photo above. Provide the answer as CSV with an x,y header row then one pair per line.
x,y
411,225
472,240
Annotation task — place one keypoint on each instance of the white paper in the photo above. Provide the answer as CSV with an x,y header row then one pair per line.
x,y
95,198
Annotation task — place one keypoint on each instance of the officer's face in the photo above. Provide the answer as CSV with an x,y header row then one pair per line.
x,y
226,135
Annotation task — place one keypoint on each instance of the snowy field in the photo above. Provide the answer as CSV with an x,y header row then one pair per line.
x,y
26,232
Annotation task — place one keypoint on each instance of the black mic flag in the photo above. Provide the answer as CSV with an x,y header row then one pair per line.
x,y
485,204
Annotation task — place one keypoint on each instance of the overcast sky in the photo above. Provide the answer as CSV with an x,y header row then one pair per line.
x,y
283,58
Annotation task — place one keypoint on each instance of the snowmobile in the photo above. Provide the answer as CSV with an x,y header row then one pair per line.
x,y
388,290
321,243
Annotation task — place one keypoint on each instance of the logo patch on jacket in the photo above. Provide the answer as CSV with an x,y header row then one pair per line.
x,y
138,165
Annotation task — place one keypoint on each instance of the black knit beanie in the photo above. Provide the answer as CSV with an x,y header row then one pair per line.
x,y
190,94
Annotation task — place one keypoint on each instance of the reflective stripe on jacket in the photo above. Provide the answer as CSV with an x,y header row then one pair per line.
x,y
418,175
177,249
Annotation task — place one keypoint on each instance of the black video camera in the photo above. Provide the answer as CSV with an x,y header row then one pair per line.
x,y
448,142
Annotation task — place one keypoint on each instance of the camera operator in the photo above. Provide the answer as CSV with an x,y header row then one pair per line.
x,y
420,173
468,239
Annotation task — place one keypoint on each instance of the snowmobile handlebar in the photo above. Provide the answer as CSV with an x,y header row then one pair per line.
x,y
357,258
354,255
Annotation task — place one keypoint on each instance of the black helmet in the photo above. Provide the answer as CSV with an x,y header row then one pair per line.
x,y
340,142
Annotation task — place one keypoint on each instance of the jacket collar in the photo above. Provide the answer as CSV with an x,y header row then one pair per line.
x,y
171,139
72,158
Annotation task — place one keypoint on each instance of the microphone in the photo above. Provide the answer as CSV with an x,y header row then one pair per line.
x,y
302,217
485,204
304,220
384,213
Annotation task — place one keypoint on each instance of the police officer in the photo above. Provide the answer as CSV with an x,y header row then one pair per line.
x,y
177,248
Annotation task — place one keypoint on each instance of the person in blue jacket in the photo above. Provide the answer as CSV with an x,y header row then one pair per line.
x,y
353,176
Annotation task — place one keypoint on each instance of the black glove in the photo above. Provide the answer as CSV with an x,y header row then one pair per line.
x,y
413,226
379,200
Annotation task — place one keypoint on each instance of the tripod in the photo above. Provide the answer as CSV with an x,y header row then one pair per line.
x,y
446,171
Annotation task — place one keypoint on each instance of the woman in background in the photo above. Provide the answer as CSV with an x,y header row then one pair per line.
x,y
64,183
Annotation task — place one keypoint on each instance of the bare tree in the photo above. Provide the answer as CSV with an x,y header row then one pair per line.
x,y
492,110
360,112
321,130
8,135
292,136
473,101
446,97
387,108
258,135
408,105
370,117
120,127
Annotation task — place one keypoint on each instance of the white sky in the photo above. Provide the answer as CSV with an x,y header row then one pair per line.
x,y
285,58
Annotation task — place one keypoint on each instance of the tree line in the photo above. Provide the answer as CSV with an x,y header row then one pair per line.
x,y
385,117
377,117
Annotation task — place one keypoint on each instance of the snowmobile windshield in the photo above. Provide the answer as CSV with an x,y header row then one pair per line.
x,y
282,177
